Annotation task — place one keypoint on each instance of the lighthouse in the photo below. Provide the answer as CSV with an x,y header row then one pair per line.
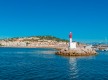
x,y
70,39
72,45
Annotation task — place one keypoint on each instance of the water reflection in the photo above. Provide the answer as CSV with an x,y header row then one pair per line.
x,y
73,68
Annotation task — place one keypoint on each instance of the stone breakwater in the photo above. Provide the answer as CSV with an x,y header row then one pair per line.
x,y
77,52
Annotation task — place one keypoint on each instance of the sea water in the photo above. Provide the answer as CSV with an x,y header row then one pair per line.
x,y
43,64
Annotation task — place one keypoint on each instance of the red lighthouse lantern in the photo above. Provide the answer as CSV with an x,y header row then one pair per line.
x,y
70,35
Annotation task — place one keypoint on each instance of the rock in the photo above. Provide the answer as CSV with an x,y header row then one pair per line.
x,y
77,52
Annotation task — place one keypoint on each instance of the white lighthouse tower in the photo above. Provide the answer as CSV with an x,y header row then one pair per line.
x,y
72,45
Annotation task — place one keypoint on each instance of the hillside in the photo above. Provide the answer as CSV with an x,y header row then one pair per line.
x,y
37,38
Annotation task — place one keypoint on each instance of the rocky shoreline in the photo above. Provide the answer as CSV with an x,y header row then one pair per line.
x,y
77,52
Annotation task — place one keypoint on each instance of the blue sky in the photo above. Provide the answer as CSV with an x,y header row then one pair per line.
x,y
86,19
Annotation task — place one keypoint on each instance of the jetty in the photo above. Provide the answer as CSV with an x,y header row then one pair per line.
x,y
74,50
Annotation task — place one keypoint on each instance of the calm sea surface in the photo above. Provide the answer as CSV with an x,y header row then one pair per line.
x,y
43,64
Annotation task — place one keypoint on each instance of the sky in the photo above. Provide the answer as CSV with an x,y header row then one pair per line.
x,y
86,19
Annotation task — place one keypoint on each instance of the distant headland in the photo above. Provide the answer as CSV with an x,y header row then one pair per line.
x,y
49,42
34,42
